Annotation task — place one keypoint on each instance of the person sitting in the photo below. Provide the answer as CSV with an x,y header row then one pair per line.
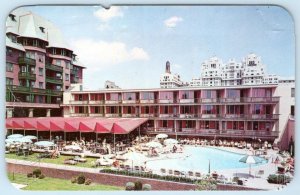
x,y
174,149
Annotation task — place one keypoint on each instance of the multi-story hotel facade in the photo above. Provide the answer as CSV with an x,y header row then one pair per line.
x,y
39,66
241,112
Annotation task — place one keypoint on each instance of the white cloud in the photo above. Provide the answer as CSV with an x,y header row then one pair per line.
x,y
173,21
103,27
107,14
176,66
98,54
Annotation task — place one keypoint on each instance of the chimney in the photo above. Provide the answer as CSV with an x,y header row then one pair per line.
x,y
168,67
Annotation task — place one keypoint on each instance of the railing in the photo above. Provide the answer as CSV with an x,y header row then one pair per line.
x,y
27,75
113,101
54,80
96,101
214,132
263,116
147,101
260,99
79,101
79,114
129,115
25,60
22,89
96,114
112,115
230,100
130,101
147,115
54,67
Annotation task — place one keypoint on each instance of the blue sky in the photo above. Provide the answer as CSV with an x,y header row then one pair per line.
x,y
130,44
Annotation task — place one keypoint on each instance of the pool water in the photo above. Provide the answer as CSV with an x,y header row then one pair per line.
x,y
197,159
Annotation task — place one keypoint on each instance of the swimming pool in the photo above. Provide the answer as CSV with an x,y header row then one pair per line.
x,y
197,159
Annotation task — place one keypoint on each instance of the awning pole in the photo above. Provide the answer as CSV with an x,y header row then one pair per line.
x,y
65,135
37,135
115,143
96,137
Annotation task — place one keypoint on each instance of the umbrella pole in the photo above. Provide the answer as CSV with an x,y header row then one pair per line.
x,y
37,135
65,134
115,143
96,137
250,169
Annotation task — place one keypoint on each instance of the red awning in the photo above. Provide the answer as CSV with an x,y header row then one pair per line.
x,y
126,126
30,123
18,123
87,126
72,125
43,124
57,124
8,123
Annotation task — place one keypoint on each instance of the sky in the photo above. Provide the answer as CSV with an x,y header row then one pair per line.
x,y
131,44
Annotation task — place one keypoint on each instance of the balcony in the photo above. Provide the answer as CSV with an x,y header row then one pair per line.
x,y
147,115
54,80
209,100
166,101
185,101
130,101
234,116
210,116
230,100
147,101
113,101
96,114
96,102
129,115
78,114
26,61
260,99
27,76
79,101
166,115
54,67
263,116
22,89
112,115
74,72
187,116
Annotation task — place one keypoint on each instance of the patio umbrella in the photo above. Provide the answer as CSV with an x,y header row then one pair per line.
x,y
170,141
30,137
250,159
161,136
14,136
154,145
44,144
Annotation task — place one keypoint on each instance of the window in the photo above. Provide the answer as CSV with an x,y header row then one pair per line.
x,y
68,65
58,62
9,67
32,70
8,52
67,77
293,110
32,83
292,92
30,54
9,81
58,87
165,124
42,29
41,85
23,69
41,71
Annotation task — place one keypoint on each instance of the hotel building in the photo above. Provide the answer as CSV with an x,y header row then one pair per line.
x,y
241,112
39,66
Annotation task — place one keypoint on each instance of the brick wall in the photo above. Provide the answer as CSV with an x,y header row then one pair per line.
x,y
110,179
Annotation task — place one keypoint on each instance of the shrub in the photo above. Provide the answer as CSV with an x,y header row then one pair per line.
x,y
130,186
42,176
88,181
37,172
279,179
146,187
29,174
74,180
138,185
206,184
81,179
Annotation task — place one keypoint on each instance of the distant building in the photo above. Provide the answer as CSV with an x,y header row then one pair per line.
x,y
110,85
169,80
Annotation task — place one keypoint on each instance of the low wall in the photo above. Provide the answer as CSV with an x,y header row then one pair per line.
x,y
111,179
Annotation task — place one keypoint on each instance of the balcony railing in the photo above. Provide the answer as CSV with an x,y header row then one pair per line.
x,y
54,80
25,60
113,101
147,101
147,115
79,101
129,115
96,101
22,89
260,99
130,101
113,115
79,114
214,132
96,114
27,75
54,67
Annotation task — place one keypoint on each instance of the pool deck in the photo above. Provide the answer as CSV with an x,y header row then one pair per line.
x,y
253,182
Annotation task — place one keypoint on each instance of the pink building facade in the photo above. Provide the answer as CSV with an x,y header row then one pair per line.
x,y
244,111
